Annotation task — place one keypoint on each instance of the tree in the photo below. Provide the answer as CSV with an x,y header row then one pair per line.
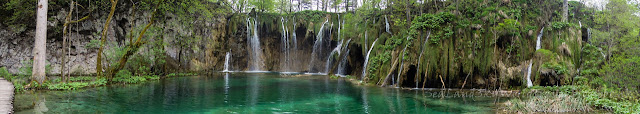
x,y
263,5
103,38
39,50
66,28
565,10
336,4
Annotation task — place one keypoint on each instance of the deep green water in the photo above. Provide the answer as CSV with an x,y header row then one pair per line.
x,y
252,93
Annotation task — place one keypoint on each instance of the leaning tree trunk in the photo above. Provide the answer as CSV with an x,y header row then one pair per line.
x,y
39,49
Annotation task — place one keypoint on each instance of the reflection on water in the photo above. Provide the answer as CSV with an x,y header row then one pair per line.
x,y
252,93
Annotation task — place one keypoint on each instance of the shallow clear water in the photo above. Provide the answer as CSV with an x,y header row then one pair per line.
x,y
250,93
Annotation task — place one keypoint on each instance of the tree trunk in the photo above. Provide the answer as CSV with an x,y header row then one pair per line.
x,y
39,50
346,6
565,10
393,66
104,39
64,41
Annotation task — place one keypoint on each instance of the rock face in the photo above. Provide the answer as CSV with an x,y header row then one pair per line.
x,y
16,47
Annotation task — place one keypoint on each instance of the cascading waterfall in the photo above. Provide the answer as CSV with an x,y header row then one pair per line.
x,y
338,50
330,57
343,63
366,60
538,46
226,62
386,24
317,46
256,63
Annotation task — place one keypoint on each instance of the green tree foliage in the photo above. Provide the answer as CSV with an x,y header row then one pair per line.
x,y
440,24
263,5
510,27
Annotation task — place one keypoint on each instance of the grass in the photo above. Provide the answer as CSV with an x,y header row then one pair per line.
x,y
570,98
547,99
21,83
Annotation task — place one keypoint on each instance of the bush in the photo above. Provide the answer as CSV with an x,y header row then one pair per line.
x,y
124,76
81,78
5,73
622,73
560,25
68,86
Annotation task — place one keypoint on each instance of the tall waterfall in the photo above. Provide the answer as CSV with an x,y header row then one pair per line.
x,y
226,61
317,46
294,37
366,60
402,60
345,49
538,46
255,52
424,44
386,24
285,47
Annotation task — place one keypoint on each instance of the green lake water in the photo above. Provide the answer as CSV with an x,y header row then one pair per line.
x,y
253,93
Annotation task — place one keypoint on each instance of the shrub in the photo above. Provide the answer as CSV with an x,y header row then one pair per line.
x,y
5,73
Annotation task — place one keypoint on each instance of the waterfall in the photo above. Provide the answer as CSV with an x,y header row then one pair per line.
x,y
343,63
256,63
366,40
337,50
529,84
330,57
294,36
538,46
366,60
424,44
589,35
285,47
331,29
386,24
226,61
317,46
402,59
580,24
